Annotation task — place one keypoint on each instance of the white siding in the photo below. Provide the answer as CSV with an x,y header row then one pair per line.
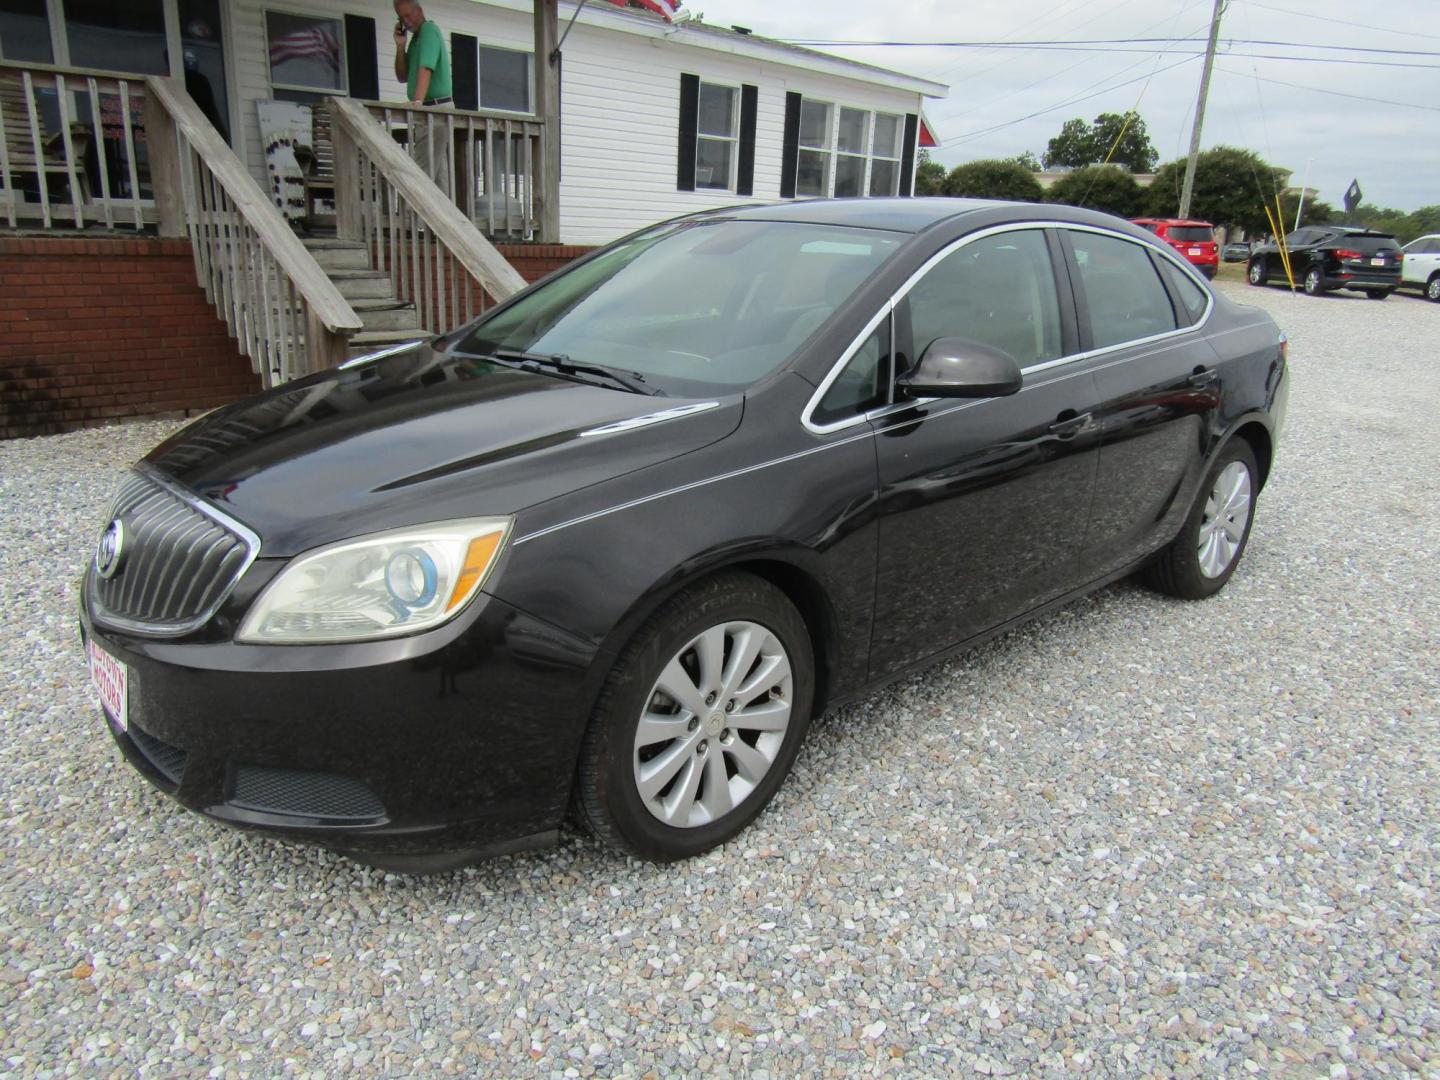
x,y
620,105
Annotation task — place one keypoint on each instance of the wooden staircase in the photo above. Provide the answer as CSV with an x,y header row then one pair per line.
x,y
371,294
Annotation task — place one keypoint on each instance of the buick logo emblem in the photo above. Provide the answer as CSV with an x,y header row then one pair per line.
x,y
110,550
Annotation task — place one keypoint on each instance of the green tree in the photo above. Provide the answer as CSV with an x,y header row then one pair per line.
x,y
1232,187
1315,211
1100,187
994,179
1027,160
929,176
1080,144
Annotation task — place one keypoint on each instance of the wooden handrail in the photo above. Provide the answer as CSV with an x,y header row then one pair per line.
x,y
452,228
451,110
325,302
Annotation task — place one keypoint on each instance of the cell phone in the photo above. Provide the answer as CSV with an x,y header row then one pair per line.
x,y
400,27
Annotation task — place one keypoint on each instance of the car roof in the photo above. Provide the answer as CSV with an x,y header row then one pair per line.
x,y
915,215
1171,221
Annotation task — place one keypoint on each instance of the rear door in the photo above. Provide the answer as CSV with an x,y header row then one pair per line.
x,y
1158,391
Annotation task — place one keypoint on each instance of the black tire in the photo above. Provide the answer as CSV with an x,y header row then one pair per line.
x,y
1314,282
1177,569
1432,288
608,800
1378,294
1256,273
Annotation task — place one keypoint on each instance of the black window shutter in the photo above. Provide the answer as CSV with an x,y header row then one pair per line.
x,y
689,122
907,159
360,63
464,71
790,146
749,99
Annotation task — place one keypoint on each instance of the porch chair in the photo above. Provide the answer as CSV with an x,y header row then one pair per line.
x,y
20,147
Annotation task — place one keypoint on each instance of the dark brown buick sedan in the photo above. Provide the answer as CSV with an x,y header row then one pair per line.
x,y
611,547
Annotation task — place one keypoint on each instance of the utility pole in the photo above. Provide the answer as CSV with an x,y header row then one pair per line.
x,y
1189,187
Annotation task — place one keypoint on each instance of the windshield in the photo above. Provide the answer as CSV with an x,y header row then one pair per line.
x,y
697,308
1191,234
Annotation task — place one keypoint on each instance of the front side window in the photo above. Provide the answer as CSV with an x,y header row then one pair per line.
x,y
1124,296
717,137
701,307
861,384
998,290
306,62
813,175
504,79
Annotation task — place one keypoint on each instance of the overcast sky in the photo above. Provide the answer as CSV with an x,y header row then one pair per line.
x,y
1393,148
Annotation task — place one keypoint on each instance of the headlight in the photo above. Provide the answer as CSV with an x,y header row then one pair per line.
x,y
378,586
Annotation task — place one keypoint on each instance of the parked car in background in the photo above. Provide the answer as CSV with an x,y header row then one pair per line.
x,y
611,547
1235,252
1194,240
1326,257
1420,268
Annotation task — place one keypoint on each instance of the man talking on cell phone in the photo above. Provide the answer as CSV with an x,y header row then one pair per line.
x,y
424,67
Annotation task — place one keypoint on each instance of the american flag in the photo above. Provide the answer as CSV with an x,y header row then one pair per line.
x,y
666,9
313,43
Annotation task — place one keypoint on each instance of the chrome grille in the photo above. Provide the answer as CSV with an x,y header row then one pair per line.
x,y
180,560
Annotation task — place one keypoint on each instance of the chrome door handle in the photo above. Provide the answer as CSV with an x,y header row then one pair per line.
x,y
1070,427
1203,378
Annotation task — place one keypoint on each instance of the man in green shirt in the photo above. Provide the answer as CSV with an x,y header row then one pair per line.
x,y
424,67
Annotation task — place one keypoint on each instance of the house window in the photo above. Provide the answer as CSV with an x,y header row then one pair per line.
x,y
813,176
306,56
25,31
717,137
852,141
885,162
504,79
715,145
115,36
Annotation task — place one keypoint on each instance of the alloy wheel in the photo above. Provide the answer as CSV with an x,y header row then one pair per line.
x,y
713,724
1432,290
1227,512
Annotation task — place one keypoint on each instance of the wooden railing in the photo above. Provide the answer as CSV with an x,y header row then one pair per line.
x,y
487,163
73,148
287,315
410,225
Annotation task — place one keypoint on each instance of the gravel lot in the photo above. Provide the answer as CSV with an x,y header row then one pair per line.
x,y
1140,837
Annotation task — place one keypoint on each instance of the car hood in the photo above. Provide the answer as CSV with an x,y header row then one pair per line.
x,y
422,436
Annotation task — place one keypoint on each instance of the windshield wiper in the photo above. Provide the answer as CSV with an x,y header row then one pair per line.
x,y
563,365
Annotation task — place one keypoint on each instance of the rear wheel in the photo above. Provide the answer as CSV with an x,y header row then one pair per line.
x,y
1432,289
1314,282
1200,560
699,722
1257,273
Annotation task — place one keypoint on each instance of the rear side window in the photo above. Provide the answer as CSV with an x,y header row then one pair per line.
x,y
1192,297
1124,296
998,290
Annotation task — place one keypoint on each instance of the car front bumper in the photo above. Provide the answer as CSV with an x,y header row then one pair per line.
x,y
412,754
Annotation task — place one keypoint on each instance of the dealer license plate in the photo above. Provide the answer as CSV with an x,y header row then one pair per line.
x,y
110,679
1195,251
1377,262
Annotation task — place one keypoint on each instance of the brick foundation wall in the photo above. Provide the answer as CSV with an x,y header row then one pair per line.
x,y
93,331
96,330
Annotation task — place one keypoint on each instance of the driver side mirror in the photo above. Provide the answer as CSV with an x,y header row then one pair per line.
x,y
959,367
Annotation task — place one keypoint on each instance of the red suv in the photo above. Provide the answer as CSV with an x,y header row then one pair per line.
x,y
1195,240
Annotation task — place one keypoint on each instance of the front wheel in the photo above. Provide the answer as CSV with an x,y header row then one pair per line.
x,y
1432,289
699,721
1314,282
1200,560
1256,273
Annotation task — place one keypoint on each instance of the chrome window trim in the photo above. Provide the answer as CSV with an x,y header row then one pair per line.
x,y
900,293
248,536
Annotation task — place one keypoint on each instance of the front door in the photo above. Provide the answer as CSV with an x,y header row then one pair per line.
x,y
983,504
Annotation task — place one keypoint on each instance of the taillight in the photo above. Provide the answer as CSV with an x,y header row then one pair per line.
x,y
1346,253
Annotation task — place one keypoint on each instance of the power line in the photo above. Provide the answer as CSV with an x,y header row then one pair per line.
x,y
1100,44
1063,104
1335,93
1341,22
